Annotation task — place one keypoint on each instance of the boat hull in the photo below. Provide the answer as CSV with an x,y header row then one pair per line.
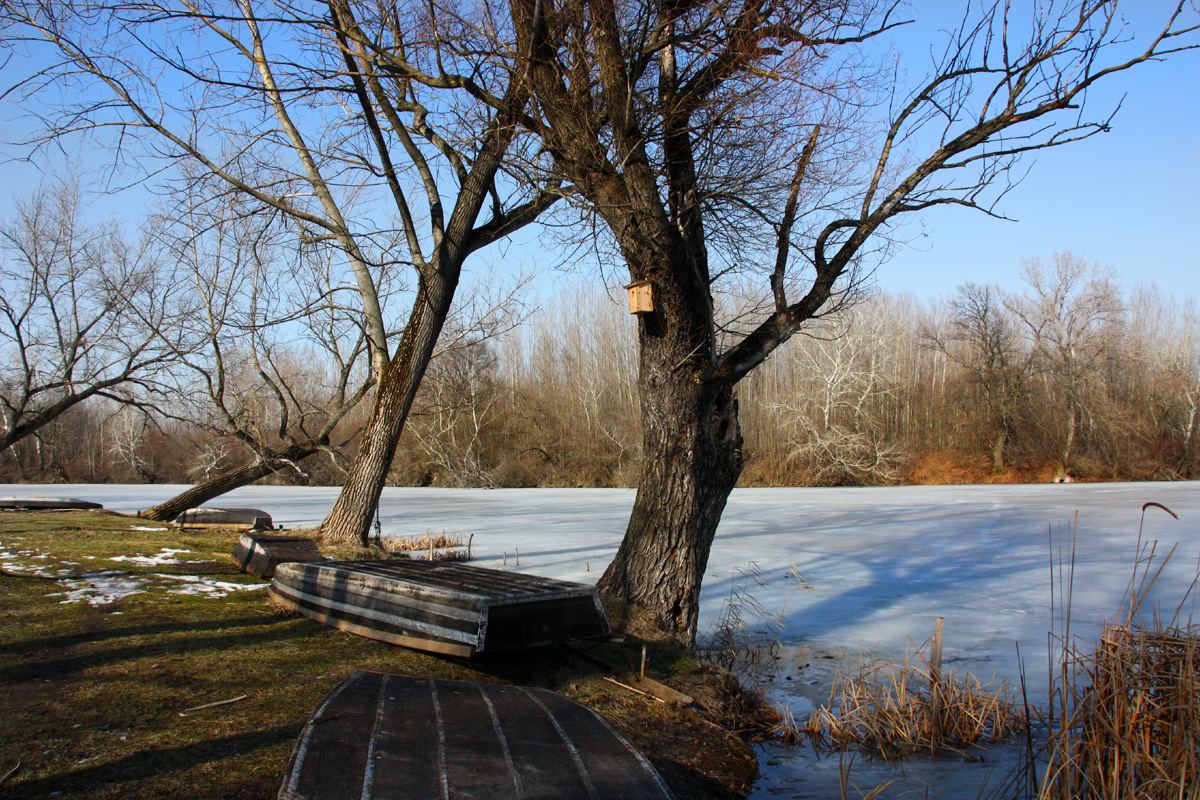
x,y
443,607
48,504
259,554
253,518
390,736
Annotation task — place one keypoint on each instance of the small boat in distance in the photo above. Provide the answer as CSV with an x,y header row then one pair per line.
x,y
47,504
441,606
382,736
248,518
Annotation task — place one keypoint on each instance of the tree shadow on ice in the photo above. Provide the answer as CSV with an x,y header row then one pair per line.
x,y
860,567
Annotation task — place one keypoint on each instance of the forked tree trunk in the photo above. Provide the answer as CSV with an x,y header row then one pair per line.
x,y
693,457
201,493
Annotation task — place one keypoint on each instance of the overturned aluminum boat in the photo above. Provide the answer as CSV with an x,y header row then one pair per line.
x,y
440,606
250,518
391,736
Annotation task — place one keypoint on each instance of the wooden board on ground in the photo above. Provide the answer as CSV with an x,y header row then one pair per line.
x,y
245,518
48,504
259,553
440,606
390,736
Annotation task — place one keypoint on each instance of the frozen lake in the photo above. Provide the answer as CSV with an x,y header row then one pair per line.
x,y
882,562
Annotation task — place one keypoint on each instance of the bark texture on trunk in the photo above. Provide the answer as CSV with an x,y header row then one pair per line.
x,y
693,457
201,493
350,518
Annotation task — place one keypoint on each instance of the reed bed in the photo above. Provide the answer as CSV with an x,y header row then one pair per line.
x,y
434,545
893,710
1128,722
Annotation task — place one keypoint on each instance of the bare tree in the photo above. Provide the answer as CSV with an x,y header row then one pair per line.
x,y
1166,350
841,374
984,343
299,107
282,360
84,313
698,131
127,443
1070,315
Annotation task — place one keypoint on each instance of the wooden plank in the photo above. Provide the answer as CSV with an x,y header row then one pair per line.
x,y
331,750
407,760
656,689
544,764
448,604
389,736
613,765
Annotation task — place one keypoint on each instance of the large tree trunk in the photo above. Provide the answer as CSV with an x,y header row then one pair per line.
x,y
692,459
201,493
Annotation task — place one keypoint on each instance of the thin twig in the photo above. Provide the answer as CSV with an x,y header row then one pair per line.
x,y
186,711
635,691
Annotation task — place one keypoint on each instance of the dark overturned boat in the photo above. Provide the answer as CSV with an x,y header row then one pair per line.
x,y
47,504
390,736
248,518
439,606
260,553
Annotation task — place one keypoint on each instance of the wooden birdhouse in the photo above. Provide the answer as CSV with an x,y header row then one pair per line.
x,y
641,297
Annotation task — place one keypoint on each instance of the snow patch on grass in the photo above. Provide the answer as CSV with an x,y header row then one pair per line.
x,y
196,585
104,588
165,556
101,588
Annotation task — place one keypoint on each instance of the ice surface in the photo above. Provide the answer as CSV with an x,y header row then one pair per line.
x,y
883,562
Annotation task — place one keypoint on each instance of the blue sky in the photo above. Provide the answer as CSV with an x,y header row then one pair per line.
x,y
1125,199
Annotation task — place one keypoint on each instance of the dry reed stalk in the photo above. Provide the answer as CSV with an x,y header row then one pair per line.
x,y
1133,729
894,710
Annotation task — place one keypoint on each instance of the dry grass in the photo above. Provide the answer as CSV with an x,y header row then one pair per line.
x,y
895,710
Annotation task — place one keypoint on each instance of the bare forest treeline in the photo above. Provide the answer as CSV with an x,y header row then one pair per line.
x,y
1065,378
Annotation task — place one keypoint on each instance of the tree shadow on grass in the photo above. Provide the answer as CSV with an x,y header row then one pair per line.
x,y
69,663
150,764
64,641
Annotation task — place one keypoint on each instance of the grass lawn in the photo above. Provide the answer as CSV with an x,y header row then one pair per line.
x,y
95,696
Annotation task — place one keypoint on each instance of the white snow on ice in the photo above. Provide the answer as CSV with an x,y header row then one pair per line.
x,y
883,562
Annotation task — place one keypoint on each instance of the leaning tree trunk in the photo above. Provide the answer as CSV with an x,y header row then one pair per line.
x,y
201,493
692,459
350,519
